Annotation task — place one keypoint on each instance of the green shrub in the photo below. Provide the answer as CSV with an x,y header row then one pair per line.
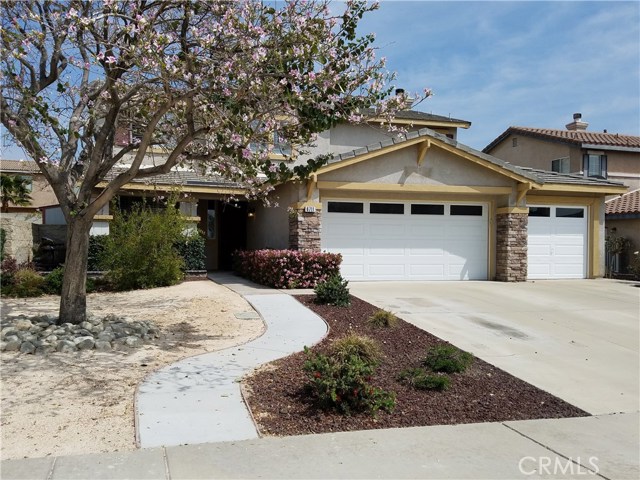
x,y
448,359
96,251
363,347
3,237
343,384
53,281
383,319
191,247
333,291
418,378
27,283
139,250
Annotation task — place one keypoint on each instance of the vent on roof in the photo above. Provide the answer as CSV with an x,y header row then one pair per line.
x,y
577,123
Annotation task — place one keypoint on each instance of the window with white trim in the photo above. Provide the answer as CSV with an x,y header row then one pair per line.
x,y
560,165
594,165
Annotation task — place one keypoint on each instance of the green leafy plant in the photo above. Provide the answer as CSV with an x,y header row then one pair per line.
x,y
352,345
26,283
53,280
343,384
333,291
418,378
139,251
383,319
96,250
448,359
191,247
14,189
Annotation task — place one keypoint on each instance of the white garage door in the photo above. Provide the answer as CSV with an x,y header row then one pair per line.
x,y
557,242
382,240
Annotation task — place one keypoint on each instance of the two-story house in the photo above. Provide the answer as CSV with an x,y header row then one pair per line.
x,y
583,153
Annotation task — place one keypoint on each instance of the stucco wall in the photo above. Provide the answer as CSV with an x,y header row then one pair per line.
x,y
269,228
18,239
530,152
439,167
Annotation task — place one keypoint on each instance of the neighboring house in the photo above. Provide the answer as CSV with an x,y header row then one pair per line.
x,y
41,193
414,207
623,220
611,156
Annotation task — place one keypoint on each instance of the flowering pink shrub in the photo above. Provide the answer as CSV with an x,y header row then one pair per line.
x,y
286,268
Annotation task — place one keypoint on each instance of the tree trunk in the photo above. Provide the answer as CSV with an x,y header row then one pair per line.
x,y
73,300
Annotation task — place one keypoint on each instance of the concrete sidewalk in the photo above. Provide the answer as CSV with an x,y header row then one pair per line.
x,y
589,447
198,399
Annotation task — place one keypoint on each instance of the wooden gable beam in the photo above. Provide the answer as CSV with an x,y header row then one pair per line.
x,y
422,150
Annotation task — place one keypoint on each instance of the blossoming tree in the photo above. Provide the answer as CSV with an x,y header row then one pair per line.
x,y
201,79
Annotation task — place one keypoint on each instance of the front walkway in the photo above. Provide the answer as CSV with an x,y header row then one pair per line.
x,y
198,399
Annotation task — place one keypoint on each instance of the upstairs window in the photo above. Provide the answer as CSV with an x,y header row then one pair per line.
x,y
561,165
594,165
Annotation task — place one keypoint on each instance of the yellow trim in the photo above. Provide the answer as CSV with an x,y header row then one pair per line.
x,y
601,189
551,200
103,218
523,189
183,188
312,184
491,242
301,205
412,188
366,156
503,210
423,148
192,219
482,162
429,123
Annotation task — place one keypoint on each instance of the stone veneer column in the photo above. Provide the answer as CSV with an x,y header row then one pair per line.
x,y
511,247
304,230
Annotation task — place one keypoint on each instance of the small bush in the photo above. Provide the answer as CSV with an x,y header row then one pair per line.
x,y
139,250
286,268
3,237
333,291
191,248
448,359
53,281
27,283
343,385
418,378
363,347
96,251
8,268
383,319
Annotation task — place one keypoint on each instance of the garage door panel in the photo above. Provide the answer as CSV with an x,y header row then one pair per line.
x,y
557,245
408,246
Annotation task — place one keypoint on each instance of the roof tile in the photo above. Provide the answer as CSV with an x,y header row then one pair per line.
x,y
624,204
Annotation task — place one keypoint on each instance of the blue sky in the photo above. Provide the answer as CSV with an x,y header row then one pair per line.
x,y
532,64
498,64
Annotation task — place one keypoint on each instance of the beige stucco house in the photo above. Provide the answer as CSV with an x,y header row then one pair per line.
x,y
576,150
41,193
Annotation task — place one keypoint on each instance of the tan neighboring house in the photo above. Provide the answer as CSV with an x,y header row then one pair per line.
x,y
576,150
623,220
41,193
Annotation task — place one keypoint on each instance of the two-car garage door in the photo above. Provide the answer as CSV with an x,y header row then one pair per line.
x,y
385,240
382,240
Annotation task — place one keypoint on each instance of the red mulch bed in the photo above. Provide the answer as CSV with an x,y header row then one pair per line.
x,y
483,393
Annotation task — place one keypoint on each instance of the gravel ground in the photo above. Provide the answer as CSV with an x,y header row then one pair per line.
x,y
483,393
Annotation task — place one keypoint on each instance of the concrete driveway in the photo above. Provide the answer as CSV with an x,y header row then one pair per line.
x,y
578,339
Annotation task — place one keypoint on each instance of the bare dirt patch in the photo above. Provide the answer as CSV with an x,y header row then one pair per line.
x,y
483,393
64,404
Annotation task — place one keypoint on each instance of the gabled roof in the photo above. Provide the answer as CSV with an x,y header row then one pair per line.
x,y
624,204
188,180
26,166
423,117
580,138
523,174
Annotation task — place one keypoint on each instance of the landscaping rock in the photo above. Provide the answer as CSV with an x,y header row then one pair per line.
x,y
27,347
85,343
40,335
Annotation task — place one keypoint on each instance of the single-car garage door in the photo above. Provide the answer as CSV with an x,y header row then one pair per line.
x,y
384,240
557,244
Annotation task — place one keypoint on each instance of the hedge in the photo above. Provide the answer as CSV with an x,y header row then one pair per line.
x,y
286,268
